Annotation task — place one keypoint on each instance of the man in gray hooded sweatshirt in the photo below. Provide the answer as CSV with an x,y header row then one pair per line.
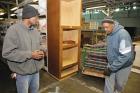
x,y
22,50
120,56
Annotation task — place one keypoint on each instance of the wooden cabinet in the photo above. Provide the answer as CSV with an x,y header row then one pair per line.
x,y
64,23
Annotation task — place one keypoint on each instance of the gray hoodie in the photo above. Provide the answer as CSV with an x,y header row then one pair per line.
x,y
19,43
120,53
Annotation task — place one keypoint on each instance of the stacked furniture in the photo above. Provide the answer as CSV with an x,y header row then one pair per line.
x,y
94,59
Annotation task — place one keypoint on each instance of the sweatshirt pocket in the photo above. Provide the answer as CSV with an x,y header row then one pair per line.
x,y
23,68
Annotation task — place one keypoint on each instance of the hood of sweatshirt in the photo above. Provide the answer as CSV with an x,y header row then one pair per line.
x,y
116,28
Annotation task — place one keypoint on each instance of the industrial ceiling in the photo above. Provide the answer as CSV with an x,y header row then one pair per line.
x,y
7,5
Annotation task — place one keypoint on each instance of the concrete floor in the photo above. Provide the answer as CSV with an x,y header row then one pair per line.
x,y
76,84
137,60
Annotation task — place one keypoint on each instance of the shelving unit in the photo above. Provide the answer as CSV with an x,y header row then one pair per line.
x,y
64,24
93,35
98,35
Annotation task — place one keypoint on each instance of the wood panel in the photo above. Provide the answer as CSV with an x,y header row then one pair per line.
x,y
53,36
70,12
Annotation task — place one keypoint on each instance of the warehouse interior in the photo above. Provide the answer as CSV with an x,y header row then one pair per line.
x,y
85,33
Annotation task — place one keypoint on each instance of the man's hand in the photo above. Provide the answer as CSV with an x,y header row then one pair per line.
x,y
107,72
13,75
37,54
41,53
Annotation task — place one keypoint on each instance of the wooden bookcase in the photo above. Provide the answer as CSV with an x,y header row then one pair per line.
x,y
64,24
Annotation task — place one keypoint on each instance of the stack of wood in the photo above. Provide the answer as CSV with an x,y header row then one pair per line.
x,y
94,57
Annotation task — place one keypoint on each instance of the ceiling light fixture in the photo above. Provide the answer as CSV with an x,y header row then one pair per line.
x,y
95,7
117,10
15,8
12,14
134,7
35,0
1,18
2,13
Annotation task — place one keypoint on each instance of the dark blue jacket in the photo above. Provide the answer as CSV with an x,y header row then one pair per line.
x,y
120,52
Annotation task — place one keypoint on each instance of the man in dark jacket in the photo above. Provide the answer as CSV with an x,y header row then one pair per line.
x,y
22,50
120,56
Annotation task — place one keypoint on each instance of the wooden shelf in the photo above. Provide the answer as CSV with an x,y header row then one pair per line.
x,y
102,34
68,62
87,30
69,46
69,28
72,35
70,57
69,71
69,65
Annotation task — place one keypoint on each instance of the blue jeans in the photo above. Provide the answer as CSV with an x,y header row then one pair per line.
x,y
116,81
27,83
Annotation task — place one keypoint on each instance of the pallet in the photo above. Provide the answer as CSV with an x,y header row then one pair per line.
x,y
93,72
